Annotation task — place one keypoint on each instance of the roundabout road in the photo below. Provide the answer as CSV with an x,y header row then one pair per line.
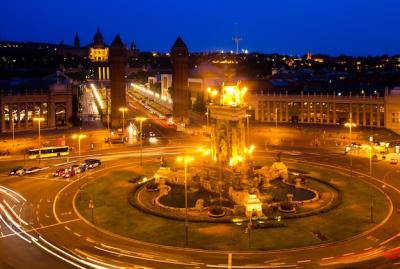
x,y
60,232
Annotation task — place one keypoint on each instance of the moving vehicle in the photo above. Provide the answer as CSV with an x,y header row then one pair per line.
x,y
48,152
115,140
92,163
59,173
33,170
69,173
79,168
394,161
17,171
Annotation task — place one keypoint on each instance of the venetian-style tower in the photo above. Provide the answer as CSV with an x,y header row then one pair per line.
x,y
118,60
180,95
77,42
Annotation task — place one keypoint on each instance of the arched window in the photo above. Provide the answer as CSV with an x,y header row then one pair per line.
x,y
61,116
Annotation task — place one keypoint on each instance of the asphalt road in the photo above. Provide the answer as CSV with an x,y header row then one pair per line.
x,y
41,229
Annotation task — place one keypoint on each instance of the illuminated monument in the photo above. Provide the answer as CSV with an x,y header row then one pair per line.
x,y
118,61
228,126
180,94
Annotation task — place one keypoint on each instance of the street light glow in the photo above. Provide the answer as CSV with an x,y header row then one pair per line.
x,y
78,136
185,159
39,119
348,124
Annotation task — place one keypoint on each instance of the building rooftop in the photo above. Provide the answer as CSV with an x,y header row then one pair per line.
x,y
22,85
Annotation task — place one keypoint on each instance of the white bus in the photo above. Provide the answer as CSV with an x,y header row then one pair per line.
x,y
48,152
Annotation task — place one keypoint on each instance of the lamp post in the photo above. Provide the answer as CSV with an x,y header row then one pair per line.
x,y
276,117
13,130
186,159
79,137
208,118
39,120
123,110
141,120
371,139
248,129
350,125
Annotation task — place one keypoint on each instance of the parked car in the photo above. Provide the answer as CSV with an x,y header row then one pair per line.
x,y
394,161
17,171
69,173
59,172
92,163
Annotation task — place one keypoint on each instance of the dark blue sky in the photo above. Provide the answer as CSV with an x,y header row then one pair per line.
x,y
354,27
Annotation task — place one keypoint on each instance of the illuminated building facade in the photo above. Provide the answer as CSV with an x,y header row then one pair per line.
x,y
331,109
23,99
180,94
118,63
98,55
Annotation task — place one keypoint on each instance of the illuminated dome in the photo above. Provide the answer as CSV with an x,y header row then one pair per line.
x,y
98,40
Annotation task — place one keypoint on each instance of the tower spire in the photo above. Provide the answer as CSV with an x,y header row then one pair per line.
x,y
237,40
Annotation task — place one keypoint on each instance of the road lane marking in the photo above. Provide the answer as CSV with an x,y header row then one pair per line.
x,y
327,258
90,240
390,239
367,248
66,213
78,235
303,261
348,254
250,266
147,259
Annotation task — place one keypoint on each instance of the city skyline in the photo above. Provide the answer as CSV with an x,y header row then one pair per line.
x,y
359,28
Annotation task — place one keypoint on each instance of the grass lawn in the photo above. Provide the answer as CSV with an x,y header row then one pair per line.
x,y
113,212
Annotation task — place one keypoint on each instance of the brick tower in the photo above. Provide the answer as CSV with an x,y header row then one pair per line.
x,y
118,60
180,95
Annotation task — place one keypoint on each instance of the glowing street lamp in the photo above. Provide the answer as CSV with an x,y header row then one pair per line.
x,y
141,120
248,129
123,110
350,125
13,129
186,159
371,139
79,137
39,120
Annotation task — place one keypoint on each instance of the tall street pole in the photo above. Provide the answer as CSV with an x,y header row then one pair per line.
x,y
140,120
40,140
141,142
248,130
370,175
13,131
186,208
351,156
39,120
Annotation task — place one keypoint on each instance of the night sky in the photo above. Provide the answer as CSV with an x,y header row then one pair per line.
x,y
353,27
